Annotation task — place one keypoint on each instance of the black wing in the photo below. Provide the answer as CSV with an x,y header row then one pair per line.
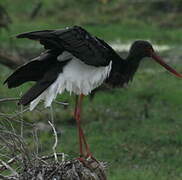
x,y
49,77
75,40
33,70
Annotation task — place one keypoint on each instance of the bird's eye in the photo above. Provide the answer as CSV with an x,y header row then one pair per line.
x,y
151,49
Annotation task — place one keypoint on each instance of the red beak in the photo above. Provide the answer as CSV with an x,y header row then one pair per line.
x,y
161,62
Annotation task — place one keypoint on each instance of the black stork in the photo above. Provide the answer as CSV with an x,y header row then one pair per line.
x,y
77,62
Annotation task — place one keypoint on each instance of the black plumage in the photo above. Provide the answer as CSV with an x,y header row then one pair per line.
x,y
43,83
33,70
77,41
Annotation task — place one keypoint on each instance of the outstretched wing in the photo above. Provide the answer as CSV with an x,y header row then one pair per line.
x,y
49,77
75,40
33,70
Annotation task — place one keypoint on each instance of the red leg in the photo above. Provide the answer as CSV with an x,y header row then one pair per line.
x,y
76,105
82,138
77,118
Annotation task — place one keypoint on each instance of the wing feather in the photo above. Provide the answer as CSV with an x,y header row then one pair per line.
x,y
75,40
49,77
32,71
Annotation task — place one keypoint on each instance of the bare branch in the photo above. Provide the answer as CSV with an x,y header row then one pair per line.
x,y
17,99
20,113
52,156
17,144
22,122
6,178
56,142
11,161
61,103
36,139
52,114
10,168
11,60
9,99
36,10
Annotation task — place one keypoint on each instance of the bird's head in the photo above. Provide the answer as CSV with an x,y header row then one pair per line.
x,y
143,49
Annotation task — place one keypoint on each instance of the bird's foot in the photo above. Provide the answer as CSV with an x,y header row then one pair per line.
x,y
88,157
81,159
89,161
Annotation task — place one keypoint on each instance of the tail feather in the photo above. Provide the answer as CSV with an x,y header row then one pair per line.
x,y
31,71
46,38
40,86
24,74
36,35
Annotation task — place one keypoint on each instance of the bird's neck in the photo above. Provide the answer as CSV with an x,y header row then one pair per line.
x,y
133,59
133,64
123,70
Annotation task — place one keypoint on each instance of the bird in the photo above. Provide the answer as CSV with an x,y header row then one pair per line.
x,y
76,61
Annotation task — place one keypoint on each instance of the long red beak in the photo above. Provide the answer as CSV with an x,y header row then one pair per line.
x,y
161,62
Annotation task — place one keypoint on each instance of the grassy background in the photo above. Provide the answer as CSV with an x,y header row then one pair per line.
x,y
137,130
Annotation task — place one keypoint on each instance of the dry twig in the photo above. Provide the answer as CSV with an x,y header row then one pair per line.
x,y
11,60
14,173
11,161
56,142
9,99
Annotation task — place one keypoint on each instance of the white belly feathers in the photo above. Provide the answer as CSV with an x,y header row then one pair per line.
x,y
77,77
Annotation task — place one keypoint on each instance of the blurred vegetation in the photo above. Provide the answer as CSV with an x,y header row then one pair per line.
x,y
118,19
136,129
